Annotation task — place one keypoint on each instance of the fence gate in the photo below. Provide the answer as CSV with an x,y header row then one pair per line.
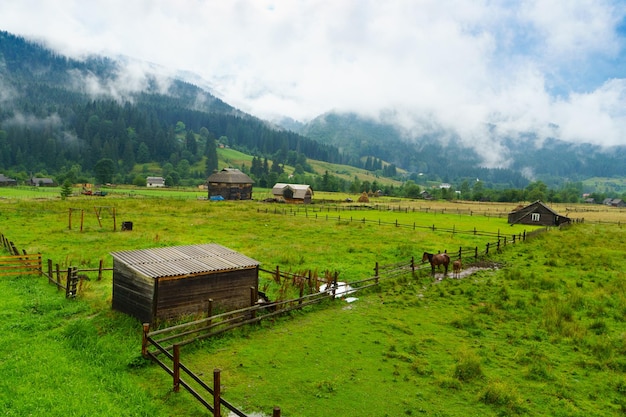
x,y
21,265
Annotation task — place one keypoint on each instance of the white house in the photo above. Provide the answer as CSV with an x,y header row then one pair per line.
x,y
155,182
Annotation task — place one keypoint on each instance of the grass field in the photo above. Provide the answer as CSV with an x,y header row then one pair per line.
x,y
544,334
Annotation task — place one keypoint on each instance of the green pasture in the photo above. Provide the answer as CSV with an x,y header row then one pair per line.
x,y
543,334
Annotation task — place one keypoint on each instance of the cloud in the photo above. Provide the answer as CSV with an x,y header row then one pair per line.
x,y
481,68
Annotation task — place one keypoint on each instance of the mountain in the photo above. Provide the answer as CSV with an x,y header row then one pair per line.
x,y
61,115
446,156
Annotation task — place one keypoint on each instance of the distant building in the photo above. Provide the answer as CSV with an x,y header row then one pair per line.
x,y
41,182
155,182
231,184
538,214
6,181
293,193
614,202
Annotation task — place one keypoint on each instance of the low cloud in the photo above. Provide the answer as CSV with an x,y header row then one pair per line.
x,y
483,70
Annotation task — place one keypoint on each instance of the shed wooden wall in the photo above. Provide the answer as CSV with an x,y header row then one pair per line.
x,y
150,299
230,290
132,292
231,191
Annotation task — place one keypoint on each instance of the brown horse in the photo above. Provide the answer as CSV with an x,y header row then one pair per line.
x,y
456,268
436,260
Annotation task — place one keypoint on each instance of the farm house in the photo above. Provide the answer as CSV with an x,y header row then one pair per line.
x,y
164,283
155,182
293,193
537,213
231,184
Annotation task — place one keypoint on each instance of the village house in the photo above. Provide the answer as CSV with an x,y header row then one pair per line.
x,y
230,184
6,181
155,182
538,214
293,193
41,182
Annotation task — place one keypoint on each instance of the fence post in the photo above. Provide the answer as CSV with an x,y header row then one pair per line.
x,y
68,282
276,412
50,276
460,252
476,253
487,249
216,393
253,300
335,284
100,270
176,370
209,312
58,276
144,340
376,272
413,264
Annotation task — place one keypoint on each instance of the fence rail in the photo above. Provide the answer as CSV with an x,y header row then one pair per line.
x,y
20,264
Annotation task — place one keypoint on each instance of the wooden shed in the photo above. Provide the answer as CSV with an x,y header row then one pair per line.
x,y
537,213
293,193
164,283
231,184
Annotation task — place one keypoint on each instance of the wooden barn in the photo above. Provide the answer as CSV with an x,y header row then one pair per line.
x,y
538,214
231,184
293,193
164,283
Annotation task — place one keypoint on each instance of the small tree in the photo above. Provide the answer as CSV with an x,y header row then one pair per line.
x,y
66,189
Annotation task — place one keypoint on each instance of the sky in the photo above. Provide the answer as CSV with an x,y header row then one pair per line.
x,y
481,69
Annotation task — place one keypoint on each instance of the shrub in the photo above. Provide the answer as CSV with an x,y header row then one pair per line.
x,y
468,367
500,394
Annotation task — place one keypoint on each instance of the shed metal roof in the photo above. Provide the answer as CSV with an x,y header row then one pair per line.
x,y
183,260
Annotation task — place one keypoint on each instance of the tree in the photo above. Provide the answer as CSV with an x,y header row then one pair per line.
x,y
104,170
211,157
66,189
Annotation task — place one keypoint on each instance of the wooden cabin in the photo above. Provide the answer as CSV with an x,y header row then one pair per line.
x,y
165,283
293,193
537,214
231,184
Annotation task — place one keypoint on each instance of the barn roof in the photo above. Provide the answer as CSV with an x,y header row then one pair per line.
x,y
230,176
183,260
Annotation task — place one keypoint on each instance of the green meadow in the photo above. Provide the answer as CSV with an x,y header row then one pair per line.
x,y
543,333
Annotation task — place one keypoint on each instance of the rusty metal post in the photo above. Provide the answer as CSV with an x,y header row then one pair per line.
x,y
216,393
144,340
176,366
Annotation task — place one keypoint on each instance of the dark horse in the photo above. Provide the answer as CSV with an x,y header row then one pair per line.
x,y
436,260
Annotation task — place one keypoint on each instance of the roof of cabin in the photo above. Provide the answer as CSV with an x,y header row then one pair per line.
x,y
183,260
231,176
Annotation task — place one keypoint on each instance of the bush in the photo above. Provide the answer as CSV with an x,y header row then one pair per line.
x,y
468,367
